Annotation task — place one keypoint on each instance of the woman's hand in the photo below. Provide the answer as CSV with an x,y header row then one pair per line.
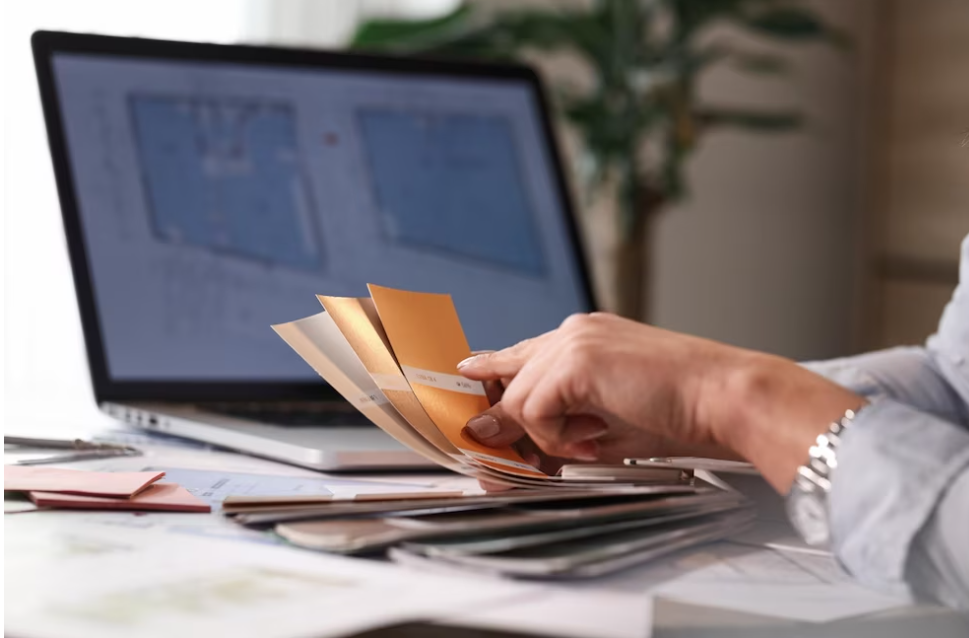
x,y
598,388
604,388
497,429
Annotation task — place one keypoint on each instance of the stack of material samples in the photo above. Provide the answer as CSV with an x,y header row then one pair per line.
x,y
394,356
522,533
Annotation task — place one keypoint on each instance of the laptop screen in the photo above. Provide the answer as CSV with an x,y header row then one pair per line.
x,y
217,198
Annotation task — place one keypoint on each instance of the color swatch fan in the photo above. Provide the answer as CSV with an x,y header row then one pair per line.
x,y
394,356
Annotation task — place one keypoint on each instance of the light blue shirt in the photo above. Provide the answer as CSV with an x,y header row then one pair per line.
x,y
899,501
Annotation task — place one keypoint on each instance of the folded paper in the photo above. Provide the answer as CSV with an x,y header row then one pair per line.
x,y
167,497
26,478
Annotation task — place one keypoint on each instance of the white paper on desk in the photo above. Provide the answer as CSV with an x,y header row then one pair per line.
x,y
803,586
213,486
92,581
18,505
565,612
767,570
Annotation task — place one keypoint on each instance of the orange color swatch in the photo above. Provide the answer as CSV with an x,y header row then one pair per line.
x,y
428,342
360,325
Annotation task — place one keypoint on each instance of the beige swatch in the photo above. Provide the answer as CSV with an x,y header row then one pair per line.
x,y
321,344
357,320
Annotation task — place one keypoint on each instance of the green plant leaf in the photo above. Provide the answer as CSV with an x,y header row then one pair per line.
x,y
745,61
388,35
552,31
758,121
791,23
691,16
457,34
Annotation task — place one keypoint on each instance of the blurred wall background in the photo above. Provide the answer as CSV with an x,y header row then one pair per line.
x,y
920,179
839,237
763,254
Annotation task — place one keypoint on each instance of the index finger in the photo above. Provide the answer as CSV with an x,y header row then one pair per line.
x,y
503,364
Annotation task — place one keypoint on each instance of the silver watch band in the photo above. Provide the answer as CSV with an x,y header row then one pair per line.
x,y
808,498
822,456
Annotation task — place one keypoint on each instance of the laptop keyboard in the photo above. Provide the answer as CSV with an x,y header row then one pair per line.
x,y
291,414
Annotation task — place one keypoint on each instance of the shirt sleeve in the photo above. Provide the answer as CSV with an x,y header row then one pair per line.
x,y
899,501
909,375
938,562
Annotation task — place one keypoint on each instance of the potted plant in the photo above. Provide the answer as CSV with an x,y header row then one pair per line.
x,y
641,118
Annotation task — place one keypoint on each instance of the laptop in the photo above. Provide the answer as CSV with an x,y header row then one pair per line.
x,y
209,191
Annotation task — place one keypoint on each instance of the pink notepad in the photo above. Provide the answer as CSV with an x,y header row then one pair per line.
x,y
26,478
167,497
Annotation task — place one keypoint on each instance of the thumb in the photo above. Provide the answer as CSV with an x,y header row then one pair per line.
x,y
493,428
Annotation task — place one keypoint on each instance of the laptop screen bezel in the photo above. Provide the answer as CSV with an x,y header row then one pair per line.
x,y
47,44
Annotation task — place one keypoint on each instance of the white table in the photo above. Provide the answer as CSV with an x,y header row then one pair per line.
x,y
623,605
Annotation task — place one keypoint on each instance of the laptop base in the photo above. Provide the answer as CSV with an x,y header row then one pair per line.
x,y
330,448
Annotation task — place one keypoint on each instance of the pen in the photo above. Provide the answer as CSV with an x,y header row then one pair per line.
x,y
65,444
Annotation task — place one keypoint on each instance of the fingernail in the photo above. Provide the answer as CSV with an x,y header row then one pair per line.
x,y
533,459
483,427
468,361
585,451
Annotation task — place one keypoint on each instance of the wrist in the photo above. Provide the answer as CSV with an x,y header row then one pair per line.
x,y
736,400
772,410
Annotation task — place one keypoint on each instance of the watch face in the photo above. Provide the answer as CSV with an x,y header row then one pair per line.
x,y
810,517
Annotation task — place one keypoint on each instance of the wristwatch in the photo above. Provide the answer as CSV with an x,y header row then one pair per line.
x,y
807,502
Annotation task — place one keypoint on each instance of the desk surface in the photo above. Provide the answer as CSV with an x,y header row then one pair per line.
x,y
723,589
